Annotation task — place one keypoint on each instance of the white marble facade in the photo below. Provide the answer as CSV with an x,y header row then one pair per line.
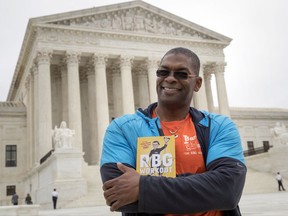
x,y
87,67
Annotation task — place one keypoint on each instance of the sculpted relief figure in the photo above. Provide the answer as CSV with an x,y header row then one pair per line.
x,y
138,22
62,137
149,24
279,134
128,21
116,22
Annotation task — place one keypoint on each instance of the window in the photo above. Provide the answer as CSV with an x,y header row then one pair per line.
x,y
11,155
250,145
251,149
266,145
10,190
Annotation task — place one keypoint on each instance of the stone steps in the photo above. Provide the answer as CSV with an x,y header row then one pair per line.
x,y
94,196
259,182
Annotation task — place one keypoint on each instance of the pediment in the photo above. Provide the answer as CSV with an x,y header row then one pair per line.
x,y
133,17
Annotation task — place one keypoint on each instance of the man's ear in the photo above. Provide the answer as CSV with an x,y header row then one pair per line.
x,y
198,84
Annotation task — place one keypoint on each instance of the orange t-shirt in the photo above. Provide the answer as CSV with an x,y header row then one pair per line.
x,y
189,158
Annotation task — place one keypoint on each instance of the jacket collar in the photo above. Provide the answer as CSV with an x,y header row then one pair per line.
x,y
197,115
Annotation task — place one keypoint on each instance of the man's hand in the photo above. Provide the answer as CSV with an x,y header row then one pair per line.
x,y
166,140
122,190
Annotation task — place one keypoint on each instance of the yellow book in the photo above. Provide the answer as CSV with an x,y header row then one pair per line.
x,y
156,156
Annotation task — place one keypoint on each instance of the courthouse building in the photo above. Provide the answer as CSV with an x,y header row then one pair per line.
x,y
87,67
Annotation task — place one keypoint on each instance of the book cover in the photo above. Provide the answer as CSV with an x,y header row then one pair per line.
x,y
156,156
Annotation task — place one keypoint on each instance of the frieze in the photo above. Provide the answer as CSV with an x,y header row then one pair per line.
x,y
64,36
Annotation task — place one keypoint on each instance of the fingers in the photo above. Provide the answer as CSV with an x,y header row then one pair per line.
x,y
110,198
122,190
115,206
107,185
123,168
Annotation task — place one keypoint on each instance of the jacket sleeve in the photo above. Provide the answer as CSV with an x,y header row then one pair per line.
x,y
110,171
218,188
117,148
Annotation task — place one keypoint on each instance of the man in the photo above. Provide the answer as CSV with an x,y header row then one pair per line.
x,y
54,198
28,199
209,158
279,180
14,199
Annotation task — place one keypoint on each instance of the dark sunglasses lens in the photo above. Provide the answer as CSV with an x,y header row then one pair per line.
x,y
178,75
181,75
162,73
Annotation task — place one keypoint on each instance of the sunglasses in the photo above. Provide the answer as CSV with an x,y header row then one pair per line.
x,y
180,75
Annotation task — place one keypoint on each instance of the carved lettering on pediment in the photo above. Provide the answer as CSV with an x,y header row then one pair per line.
x,y
134,20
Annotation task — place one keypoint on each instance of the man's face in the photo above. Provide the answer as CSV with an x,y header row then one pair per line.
x,y
175,91
155,145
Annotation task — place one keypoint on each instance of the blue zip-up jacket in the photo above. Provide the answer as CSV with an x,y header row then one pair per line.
x,y
219,188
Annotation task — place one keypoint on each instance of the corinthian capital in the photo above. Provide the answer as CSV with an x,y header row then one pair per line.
x,y
100,59
126,60
73,57
152,63
220,67
44,56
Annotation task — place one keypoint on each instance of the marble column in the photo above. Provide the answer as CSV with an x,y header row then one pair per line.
x,y
102,109
44,102
126,79
29,89
152,66
207,79
85,118
143,87
221,90
200,100
117,93
35,127
56,97
32,116
74,104
92,142
64,89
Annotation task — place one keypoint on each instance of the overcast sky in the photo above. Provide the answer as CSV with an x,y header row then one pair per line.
x,y
257,62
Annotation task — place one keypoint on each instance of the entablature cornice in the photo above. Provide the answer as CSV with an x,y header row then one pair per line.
x,y
259,113
71,37
83,35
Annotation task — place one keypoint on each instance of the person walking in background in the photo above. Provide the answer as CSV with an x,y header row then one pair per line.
x,y
28,199
279,180
14,199
54,198
210,164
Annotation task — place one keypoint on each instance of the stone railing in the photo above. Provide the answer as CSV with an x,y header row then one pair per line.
x,y
258,150
45,157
